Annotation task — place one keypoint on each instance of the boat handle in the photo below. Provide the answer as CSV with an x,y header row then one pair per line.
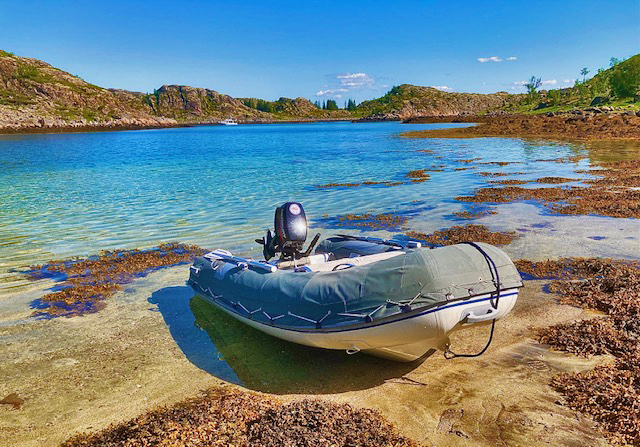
x,y
473,318
344,267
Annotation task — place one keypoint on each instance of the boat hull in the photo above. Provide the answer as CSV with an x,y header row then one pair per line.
x,y
405,337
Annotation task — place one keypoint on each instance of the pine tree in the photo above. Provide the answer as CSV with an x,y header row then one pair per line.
x,y
332,105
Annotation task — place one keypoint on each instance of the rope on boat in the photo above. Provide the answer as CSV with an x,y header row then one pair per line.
x,y
449,354
318,323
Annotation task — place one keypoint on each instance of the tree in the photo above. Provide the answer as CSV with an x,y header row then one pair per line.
x,y
332,105
625,79
324,105
351,104
317,104
614,61
584,72
532,87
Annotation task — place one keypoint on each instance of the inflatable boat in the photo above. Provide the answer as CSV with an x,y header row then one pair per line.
x,y
389,298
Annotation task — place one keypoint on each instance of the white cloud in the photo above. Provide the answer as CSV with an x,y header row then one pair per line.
x,y
568,81
520,82
496,59
443,88
330,92
550,82
352,76
490,59
348,82
355,80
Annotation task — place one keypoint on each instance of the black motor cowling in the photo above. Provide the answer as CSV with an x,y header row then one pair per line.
x,y
290,224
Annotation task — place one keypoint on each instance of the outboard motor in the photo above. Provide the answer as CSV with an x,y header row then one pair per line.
x,y
290,224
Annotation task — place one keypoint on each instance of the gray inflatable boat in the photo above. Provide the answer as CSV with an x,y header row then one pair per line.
x,y
387,298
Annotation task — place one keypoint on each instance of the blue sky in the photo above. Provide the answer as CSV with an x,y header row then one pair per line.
x,y
320,50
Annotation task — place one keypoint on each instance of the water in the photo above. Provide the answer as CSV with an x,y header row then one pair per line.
x,y
65,195
76,194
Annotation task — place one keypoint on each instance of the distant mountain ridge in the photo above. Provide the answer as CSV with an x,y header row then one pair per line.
x,y
37,96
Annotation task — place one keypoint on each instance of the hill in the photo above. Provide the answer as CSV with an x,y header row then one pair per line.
x,y
616,87
408,101
35,96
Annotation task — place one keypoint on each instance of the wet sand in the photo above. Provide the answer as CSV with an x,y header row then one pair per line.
x,y
83,373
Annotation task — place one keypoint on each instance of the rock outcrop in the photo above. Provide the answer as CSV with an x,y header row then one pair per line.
x,y
408,101
35,95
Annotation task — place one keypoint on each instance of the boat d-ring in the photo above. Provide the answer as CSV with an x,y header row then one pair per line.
x,y
353,350
342,267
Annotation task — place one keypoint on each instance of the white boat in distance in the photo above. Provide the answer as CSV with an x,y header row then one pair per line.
x,y
228,122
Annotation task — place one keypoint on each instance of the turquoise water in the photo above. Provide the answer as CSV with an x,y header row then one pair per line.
x,y
76,194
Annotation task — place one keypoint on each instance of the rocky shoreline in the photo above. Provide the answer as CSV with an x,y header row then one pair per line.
x,y
572,125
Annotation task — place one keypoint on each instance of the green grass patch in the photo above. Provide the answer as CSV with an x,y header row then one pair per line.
x,y
89,115
6,54
9,98
29,72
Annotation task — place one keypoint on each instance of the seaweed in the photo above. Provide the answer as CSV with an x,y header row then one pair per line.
x,y
609,393
466,233
87,283
224,416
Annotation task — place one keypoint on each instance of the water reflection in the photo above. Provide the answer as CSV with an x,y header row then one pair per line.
x,y
230,350
173,304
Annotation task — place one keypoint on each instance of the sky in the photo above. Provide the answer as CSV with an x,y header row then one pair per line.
x,y
322,50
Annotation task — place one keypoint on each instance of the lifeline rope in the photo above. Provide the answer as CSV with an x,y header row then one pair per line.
x,y
449,354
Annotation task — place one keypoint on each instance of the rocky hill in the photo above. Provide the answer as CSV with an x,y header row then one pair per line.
x,y
408,101
34,96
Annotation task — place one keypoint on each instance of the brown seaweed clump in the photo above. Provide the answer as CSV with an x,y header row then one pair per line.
x,y
508,182
555,180
468,160
609,393
493,174
418,175
466,233
354,185
374,221
474,213
617,174
227,417
567,200
499,163
90,281
598,127
315,423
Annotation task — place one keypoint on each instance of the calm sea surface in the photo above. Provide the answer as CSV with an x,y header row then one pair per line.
x,y
68,195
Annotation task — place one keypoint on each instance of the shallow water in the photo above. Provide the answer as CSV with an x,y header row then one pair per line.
x,y
67,195
76,194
